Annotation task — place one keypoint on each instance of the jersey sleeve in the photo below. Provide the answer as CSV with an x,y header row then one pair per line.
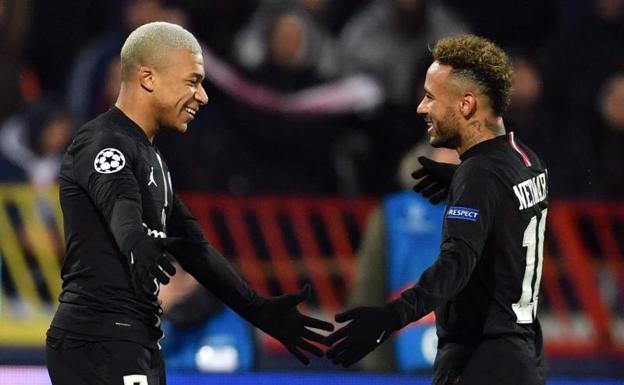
x,y
468,219
207,265
471,206
103,166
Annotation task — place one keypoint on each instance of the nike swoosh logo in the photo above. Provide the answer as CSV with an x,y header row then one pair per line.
x,y
381,336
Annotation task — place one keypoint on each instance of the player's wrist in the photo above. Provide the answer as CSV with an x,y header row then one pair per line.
x,y
255,310
397,314
133,242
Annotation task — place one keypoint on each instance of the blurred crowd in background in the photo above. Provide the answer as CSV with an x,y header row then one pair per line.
x,y
316,96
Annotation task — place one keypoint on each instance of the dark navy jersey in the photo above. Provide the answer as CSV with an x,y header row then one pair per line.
x,y
486,280
110,161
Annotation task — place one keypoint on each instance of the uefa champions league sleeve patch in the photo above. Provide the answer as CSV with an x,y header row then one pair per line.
x,y
465,213
109,161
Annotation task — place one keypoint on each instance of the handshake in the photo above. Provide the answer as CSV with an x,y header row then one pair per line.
x,y
278,316
367,326
151,262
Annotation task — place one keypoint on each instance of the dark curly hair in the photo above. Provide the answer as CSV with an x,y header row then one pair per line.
x,y
481,61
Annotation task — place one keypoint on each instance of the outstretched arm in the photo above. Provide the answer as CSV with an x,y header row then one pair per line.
x,y
277,316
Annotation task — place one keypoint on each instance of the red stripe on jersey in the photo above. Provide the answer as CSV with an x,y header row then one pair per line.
x,y
524,156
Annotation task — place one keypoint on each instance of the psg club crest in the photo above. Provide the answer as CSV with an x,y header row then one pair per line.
x,y
108,161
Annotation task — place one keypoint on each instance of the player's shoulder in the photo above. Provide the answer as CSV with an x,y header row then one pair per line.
x,y
532,159
104,130
476,166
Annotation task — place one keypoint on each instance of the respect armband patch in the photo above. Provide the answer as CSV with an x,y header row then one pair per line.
x,y
465,213
109,160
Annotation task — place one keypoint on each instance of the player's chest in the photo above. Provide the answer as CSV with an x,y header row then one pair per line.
x,y
154,181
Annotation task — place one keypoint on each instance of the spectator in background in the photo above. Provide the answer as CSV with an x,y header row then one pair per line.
x,y
14,24
216,22
584,55
284,49
386,262
286,46
32,143
577,62
58,30
609,136
529,114
389,39
522,24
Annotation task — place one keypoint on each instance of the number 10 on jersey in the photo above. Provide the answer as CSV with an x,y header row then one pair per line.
x,y
533,240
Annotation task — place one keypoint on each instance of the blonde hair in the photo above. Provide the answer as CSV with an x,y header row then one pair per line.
x,y
481,61
151,43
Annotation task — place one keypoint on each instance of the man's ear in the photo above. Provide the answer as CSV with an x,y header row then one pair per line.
x,y
468,104
146,78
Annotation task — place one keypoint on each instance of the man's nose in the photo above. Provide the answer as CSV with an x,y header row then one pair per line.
x,y
200,95
421,109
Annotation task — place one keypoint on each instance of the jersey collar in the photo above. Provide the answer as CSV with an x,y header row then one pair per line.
x,y
483,147
128,125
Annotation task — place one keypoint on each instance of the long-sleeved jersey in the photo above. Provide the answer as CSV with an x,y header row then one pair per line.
x,y
115,189
486,280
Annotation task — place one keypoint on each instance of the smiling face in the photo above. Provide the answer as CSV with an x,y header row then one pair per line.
x,y
440,107
178,92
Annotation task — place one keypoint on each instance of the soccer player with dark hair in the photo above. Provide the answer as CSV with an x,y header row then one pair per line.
x,y
122,219
484,285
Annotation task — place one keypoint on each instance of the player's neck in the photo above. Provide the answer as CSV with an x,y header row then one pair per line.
x,y
479,130
141,114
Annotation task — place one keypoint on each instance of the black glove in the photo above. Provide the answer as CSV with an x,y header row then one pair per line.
x,y
149,260
279,317
436,179
369,327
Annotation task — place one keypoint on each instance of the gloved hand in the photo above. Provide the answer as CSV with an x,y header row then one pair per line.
x,y
149,260
369,327
279,317
436,179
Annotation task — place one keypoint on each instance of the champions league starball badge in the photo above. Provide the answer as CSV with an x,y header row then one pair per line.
x,y
108,161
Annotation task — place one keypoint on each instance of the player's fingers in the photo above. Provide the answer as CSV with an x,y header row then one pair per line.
x,y
421,172
338,357
300,356
427,163
305,345
348,315
313,336
337,335
149,286
424,183
333,352
316,323
438,197
166,264
431,189
159,274
292,300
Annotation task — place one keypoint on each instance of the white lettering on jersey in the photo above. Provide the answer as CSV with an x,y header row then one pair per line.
x,y
108,161
531,191
154,233
135,379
